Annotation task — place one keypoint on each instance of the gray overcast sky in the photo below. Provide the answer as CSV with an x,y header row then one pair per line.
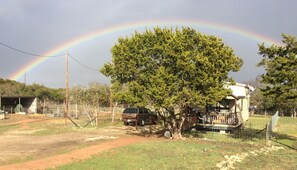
x,y
39,26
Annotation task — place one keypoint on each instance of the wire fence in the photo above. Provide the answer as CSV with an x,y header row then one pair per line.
x,y
84,115
247,132
78,110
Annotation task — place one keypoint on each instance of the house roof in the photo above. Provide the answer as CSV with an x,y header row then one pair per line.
x,y
17,97
241,90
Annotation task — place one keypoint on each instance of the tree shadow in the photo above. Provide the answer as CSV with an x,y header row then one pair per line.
x,y
241,134
196,133
245,134
249,134
285,140
146,131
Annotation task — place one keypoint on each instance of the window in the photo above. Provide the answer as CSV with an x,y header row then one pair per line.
x,y
131,110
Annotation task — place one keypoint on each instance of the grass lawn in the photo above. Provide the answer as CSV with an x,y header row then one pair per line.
x,y
162,154
286,132
201,151
282,159
6,127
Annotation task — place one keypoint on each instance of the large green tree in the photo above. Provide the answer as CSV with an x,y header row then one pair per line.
x,y
280,79
171,70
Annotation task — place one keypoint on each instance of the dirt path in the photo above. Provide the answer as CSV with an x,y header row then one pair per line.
x,y
84,153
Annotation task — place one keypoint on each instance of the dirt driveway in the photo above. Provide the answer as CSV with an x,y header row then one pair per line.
x,y
76,155
22,150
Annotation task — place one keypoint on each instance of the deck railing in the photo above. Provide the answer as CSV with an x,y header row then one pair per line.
x,y
225,118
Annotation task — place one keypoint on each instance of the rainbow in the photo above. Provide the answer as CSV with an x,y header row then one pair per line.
x,y
137,25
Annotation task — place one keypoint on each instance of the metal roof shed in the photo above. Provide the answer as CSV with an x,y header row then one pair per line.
x,y
9,103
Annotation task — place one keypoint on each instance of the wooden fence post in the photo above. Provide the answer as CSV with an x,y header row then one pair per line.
x,y
267,134
97,123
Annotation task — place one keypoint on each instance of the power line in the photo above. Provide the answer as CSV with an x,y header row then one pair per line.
x,y
90,68
37,55
28,53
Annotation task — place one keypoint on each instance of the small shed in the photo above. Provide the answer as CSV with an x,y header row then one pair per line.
x,y
28,104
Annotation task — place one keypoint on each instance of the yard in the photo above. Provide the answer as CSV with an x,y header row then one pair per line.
x,y
38,142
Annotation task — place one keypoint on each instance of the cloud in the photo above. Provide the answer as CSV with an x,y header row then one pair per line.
x,y
40,26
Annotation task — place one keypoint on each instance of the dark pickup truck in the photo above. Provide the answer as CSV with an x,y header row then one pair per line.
x,y
140,116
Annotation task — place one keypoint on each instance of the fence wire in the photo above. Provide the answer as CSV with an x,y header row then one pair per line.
x,y
85,115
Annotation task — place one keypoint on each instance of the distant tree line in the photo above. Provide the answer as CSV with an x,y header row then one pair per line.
x,y
94,94
259,103
14,88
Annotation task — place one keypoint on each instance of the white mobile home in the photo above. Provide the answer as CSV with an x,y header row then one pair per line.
x,y
229,113
241,93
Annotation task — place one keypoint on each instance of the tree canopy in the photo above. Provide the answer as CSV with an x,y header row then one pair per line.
x,y
280,80
171,68
95,94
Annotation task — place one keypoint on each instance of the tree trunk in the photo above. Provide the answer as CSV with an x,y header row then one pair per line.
x,y
175,121
176,131
294,114
113,112
178,126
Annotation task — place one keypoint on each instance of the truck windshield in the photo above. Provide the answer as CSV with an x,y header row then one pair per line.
x,y
130,110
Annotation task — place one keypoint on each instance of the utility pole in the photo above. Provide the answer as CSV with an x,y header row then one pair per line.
x,y
110,102
66,97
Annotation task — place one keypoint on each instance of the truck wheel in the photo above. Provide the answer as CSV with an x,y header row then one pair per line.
x,y
167,134
142,123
